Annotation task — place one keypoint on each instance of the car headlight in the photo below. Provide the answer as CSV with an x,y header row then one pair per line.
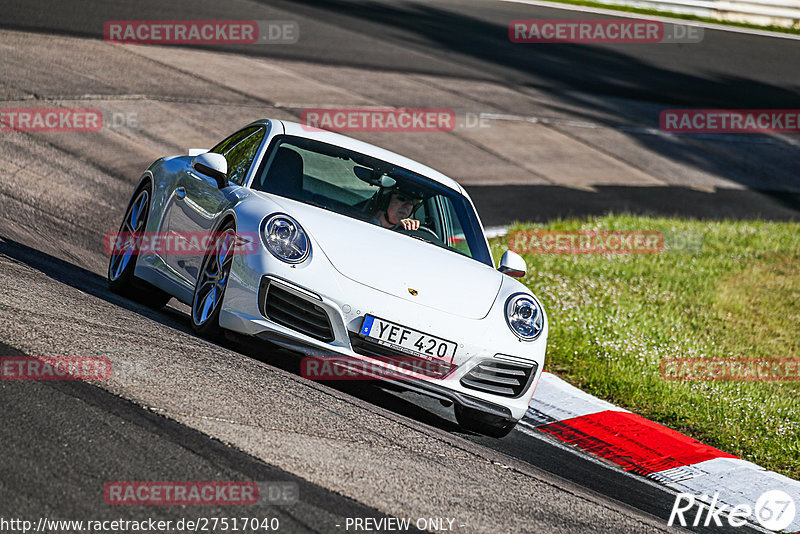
x,y
285,238
524,316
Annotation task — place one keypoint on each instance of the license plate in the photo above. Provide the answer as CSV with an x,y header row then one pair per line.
x,y
407,339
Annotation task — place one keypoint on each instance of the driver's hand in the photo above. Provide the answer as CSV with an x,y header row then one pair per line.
x,y
410,224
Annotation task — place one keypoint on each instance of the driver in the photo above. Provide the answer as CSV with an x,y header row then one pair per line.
x,y
398,211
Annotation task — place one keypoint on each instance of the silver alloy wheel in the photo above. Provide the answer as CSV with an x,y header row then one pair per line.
x,y
131,230
213,277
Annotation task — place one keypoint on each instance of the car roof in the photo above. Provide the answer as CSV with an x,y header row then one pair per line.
x,y
301,130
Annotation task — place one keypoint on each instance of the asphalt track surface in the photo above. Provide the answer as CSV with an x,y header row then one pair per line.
x,y
186,409
452,44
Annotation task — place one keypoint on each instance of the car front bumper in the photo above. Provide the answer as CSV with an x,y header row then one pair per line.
x,y
243,311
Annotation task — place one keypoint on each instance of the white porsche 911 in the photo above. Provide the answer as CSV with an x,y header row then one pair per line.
x,y
337,249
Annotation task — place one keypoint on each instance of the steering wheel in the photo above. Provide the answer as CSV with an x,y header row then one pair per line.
x,y
422,232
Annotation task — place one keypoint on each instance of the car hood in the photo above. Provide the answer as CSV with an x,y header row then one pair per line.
x,y
400,265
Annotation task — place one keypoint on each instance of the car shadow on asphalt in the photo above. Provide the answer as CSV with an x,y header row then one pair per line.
x,y
95,285
371,391
81,279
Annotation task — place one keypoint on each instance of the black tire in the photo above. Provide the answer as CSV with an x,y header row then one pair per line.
x,y
483,423
123,258
213,277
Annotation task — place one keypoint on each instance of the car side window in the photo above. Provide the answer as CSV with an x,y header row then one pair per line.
x,y
239,151
229,142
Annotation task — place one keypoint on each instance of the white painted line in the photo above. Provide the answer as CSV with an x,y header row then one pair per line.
x,y
298,105
627,14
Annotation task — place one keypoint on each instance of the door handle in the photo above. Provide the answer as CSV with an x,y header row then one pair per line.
x,y
180,193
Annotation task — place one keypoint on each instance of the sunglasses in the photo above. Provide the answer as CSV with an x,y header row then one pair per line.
x,y
407,198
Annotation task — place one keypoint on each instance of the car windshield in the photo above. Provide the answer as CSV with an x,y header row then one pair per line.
x,y
373,191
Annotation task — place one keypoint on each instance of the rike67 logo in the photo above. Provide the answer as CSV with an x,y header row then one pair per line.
x,y
774,510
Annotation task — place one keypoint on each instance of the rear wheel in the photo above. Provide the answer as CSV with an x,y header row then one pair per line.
x,y
483,423
211,283
125,250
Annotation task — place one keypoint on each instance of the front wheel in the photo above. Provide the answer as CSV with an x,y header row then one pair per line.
x,y
483,423
211,284
125,250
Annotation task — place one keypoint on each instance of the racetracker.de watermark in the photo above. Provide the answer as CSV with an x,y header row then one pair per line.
x,y
730,120
379,119
540,31
174,243
55,368
730,369
199,493
396,368
586,242
50,120
202,31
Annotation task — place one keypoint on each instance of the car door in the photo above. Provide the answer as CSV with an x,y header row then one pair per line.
x,y
198,202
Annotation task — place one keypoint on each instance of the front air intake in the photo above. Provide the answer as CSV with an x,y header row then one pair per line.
x,y
297,313
499,377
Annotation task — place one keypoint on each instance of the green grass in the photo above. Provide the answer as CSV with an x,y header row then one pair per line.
x,y
657,13
719,289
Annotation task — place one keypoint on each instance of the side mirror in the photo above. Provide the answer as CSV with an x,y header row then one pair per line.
x,y
512,264
212,165
197,151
